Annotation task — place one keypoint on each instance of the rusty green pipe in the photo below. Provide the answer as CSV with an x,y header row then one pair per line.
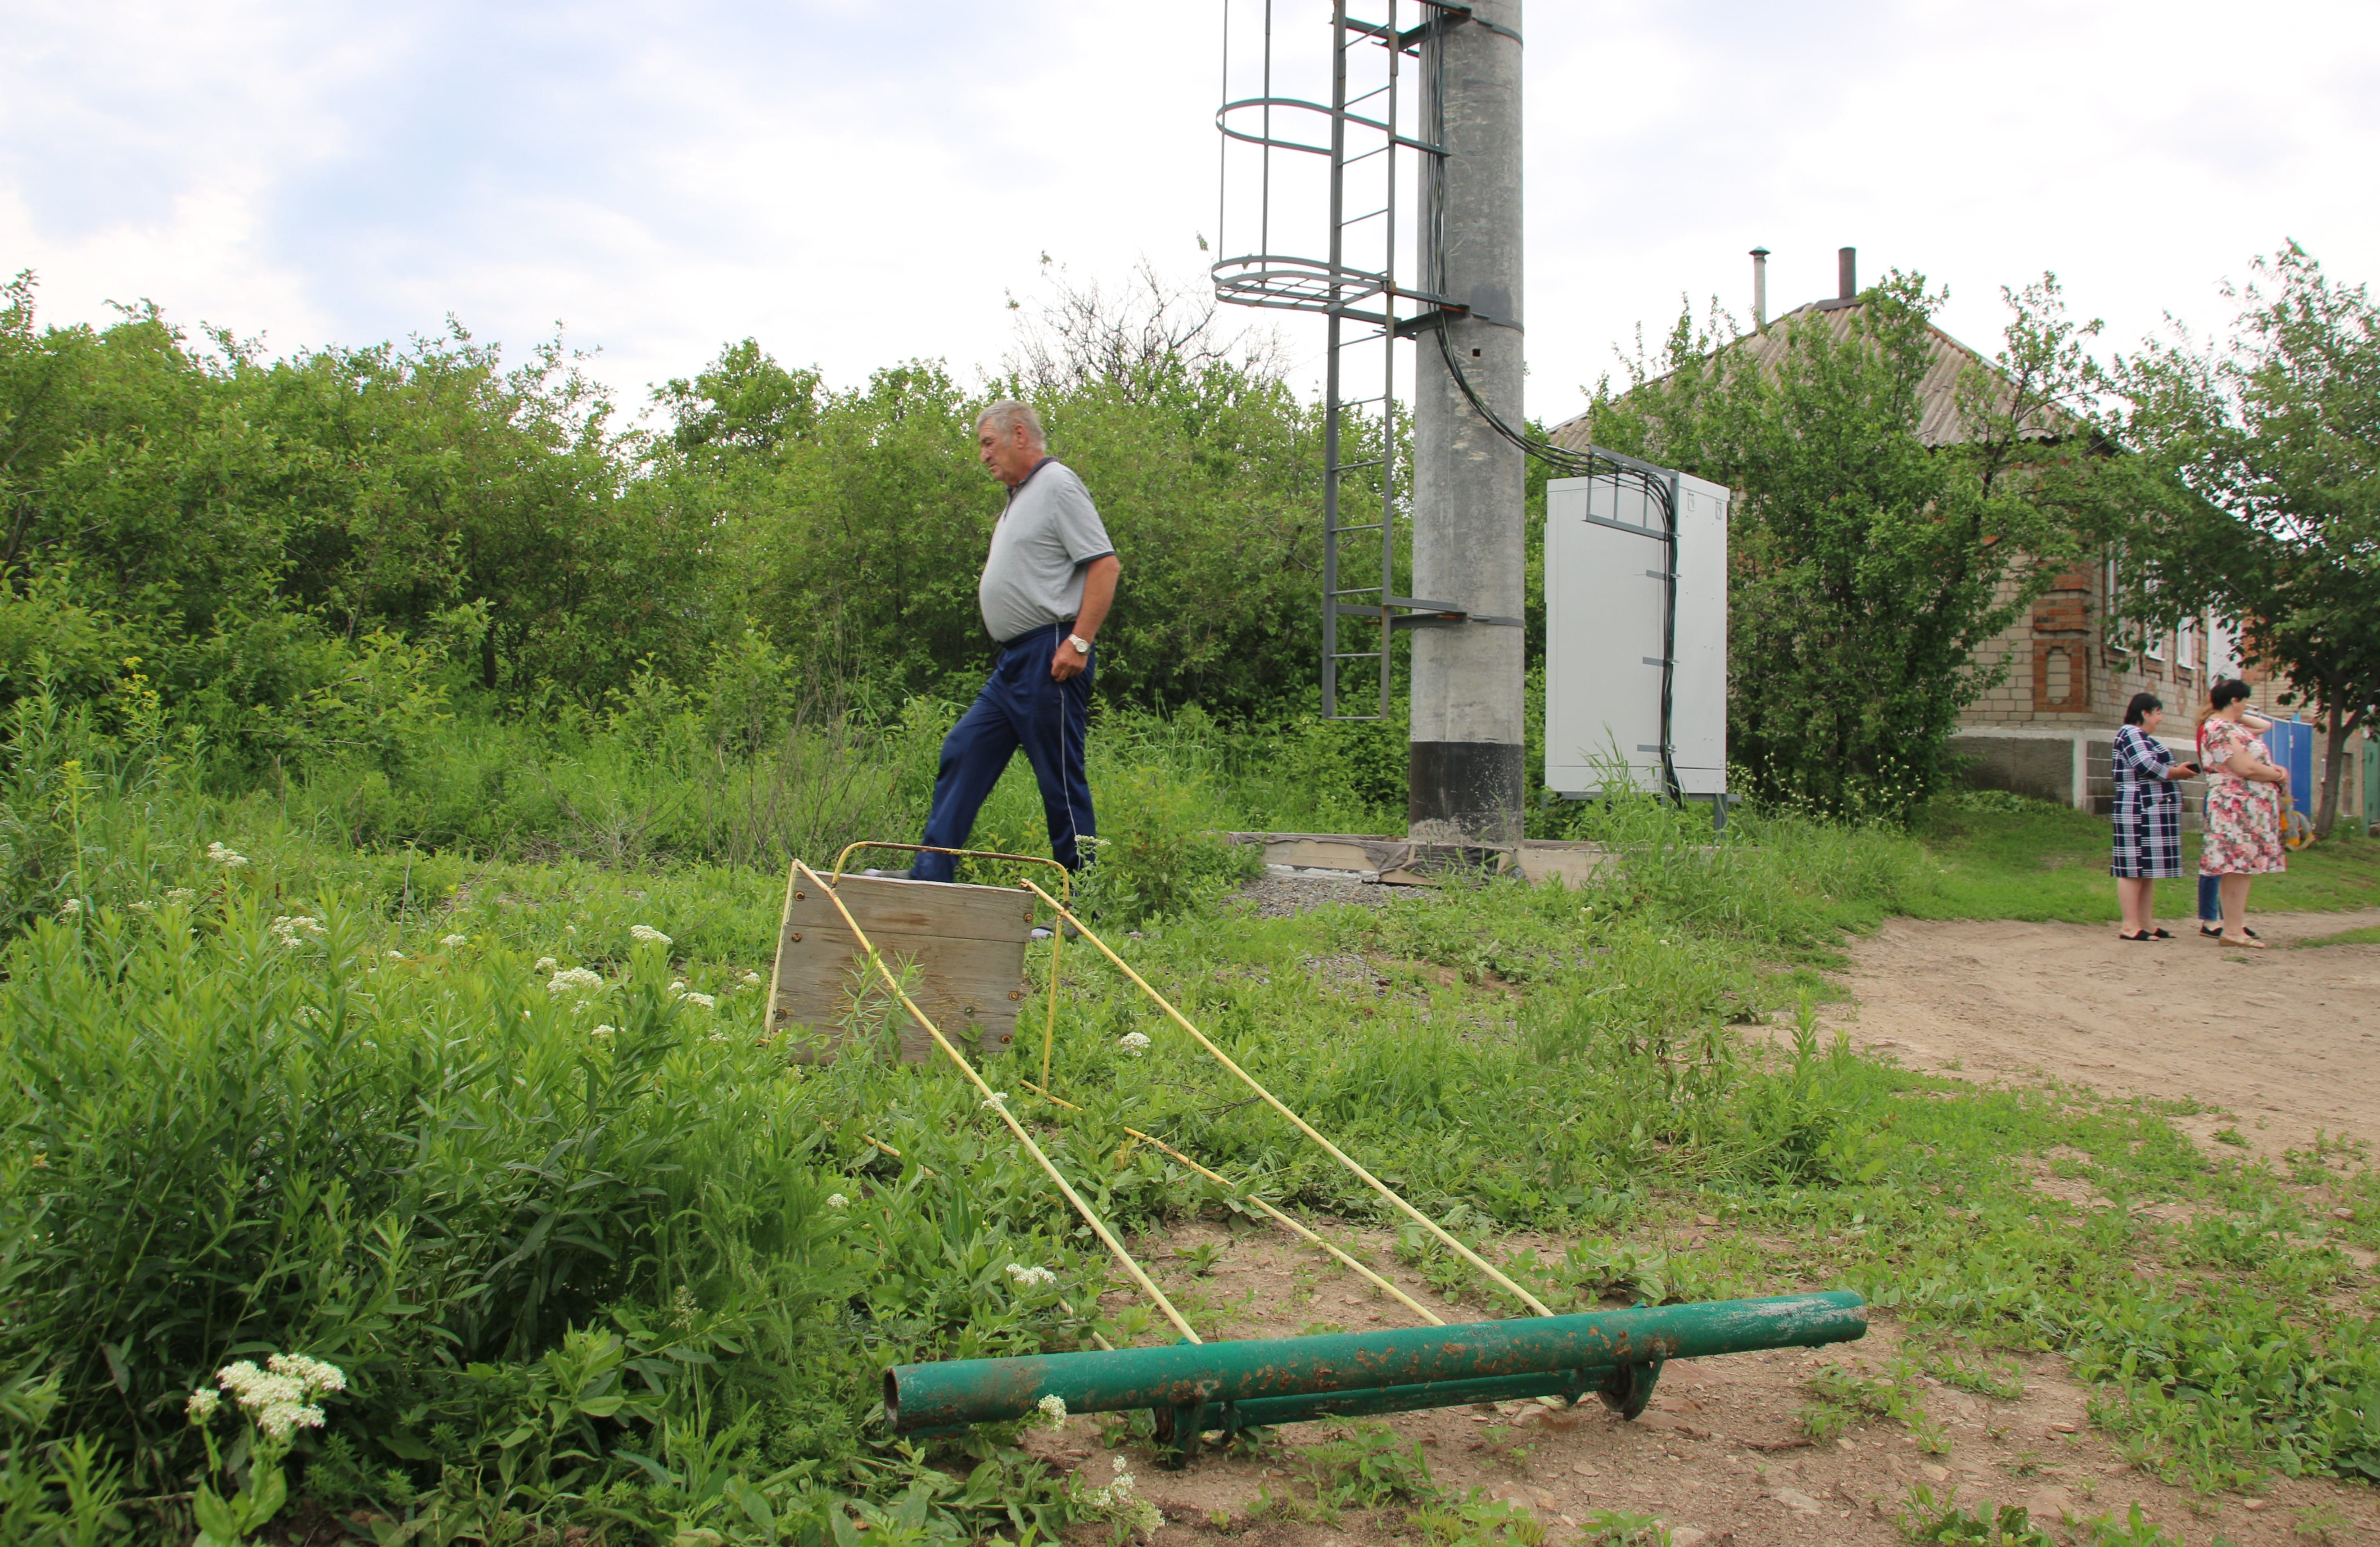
x,y
919,1396
1265,1413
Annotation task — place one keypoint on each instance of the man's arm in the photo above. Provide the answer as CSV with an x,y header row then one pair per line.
x,y
1098,595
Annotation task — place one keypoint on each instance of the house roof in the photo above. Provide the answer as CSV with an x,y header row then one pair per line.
x,y
1938,422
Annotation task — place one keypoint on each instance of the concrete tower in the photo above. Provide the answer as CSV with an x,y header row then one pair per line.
x,y
1466,780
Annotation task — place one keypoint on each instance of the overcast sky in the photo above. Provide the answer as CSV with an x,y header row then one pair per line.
x,y
857,183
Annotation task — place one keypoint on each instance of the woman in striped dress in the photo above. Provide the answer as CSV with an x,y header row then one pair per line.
x,y
2148,817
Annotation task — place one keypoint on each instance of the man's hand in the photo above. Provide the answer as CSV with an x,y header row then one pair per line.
x,y
1098,595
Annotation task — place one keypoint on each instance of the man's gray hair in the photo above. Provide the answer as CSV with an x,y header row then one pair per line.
x,y
1006,415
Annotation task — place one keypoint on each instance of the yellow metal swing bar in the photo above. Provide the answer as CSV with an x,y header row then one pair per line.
x,y
993,1099
1304,1127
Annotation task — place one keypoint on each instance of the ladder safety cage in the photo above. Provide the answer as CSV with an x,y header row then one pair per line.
x,y
1375,142
1367,135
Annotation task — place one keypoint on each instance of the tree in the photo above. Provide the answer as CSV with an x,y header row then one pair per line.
x,y
2260,487
1148,332
1869,567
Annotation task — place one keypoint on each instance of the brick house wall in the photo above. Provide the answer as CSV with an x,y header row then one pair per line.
x,y
2047,726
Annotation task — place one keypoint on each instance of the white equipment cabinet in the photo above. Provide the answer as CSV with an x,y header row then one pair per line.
x,y
1607,600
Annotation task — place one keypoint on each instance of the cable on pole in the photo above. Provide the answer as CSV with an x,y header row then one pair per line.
x,y
1660,486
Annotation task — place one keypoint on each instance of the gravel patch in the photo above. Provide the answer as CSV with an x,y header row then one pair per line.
x,y
1280,897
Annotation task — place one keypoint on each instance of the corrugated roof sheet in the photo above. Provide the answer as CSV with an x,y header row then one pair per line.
x,y
1939,420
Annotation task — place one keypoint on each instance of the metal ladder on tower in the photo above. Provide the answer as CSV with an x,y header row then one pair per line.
x,y
1355,287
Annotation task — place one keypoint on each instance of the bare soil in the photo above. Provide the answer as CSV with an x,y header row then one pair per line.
x,y
1719,1457
2279,1043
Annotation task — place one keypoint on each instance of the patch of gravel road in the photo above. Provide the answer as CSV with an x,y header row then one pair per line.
x,y
1280,897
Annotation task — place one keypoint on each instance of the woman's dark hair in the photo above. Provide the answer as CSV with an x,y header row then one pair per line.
x,y
2223,694
2138,709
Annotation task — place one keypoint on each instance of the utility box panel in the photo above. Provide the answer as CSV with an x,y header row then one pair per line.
x,y
1607,603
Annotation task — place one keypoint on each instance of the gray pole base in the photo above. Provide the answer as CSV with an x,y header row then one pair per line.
x,y
1466,792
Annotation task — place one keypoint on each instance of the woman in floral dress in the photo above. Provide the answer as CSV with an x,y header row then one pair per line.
x,y
2243,810
2147,828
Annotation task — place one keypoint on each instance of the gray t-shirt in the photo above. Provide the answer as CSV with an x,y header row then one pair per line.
x,y
1034,577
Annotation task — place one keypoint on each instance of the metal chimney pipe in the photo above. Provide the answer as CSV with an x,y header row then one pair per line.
x,y
1760,287
1847,273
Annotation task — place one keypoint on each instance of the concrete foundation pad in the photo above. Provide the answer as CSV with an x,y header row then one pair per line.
x,y
1400,861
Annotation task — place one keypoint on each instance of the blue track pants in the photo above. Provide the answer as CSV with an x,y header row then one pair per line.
x,y
1021,705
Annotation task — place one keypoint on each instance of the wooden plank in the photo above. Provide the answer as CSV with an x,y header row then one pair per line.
x,y
964,945
886,906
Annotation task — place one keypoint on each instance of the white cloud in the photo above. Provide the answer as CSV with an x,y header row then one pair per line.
x,y
857,184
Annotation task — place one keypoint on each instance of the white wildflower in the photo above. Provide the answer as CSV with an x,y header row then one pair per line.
x,y
604,1030
837,1200
317,1377
753,978
396,956
719,1036
281,1420
572,977
228,858
999,1099
704,1000
70,907
288,926
1134,1043
179,894
544,965
451,941
1054,1411
1119,1504
1032,1278
280,1399
201,1404
143,906
676,987
645,935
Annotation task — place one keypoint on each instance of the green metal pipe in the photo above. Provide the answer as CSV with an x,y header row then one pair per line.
x,y
1265,1412
1625,1389
1183,1375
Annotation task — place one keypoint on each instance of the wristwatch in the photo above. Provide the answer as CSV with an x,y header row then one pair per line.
x,y
1082,645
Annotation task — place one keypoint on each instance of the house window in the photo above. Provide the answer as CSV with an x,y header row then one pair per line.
x,y
2185,644
2152,645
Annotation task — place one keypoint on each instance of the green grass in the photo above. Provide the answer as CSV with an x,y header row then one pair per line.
x,y
598,1278
2037,860
2345,937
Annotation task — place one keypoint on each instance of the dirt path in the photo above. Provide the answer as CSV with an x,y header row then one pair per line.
x,y
1719,1457
2285,1042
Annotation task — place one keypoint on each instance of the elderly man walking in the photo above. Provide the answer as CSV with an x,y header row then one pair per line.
x,y
1045,591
